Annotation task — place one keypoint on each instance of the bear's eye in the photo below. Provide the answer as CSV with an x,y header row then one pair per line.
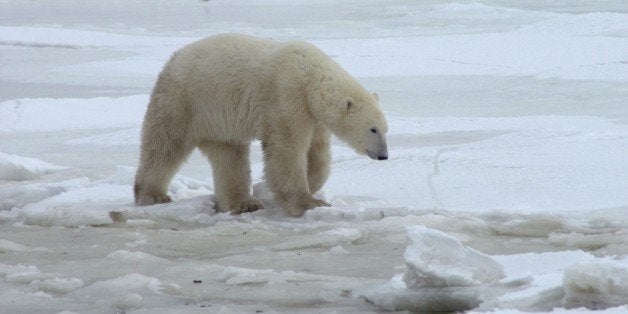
x,y
373,130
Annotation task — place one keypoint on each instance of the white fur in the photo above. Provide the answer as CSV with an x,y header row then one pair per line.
x,y
222,92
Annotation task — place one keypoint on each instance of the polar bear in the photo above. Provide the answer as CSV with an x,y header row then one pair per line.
x,y
222,92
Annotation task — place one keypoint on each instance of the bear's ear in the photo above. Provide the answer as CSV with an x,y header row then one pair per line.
x,y
348,103
375,96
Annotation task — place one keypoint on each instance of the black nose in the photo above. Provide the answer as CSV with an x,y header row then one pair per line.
x,y
382,157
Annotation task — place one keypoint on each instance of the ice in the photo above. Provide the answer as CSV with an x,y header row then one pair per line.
x,y
117,138
596,285
590,241
127,256
338,250
18,168
124,292
442,274
10,246
37,115
571,279
328,238
19,195
529,226
508,136
245,276
435,259
58,285
21,274
77,207
395,296
67,38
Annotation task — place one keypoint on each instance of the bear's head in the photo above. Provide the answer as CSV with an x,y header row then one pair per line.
x,y
358,121
343,105
363,125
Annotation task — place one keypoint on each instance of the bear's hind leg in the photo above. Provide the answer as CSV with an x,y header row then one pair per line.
x,y
232,176
162,153
157,167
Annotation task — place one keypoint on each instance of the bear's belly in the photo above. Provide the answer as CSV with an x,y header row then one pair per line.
x,y
231,125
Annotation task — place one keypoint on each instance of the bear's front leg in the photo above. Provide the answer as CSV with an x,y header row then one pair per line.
x,y
286,167
318,159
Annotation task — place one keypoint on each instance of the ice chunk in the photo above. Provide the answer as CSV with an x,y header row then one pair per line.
x,y
262,192
125,175
442,275
240,276
23,194
245,276
588,241
82,205
344,234
541,293
196,210
127,256
63,214
10,246
329,238
338,250
185,187
129,282
123,292
129,301
395,296
18,168
596,285
436,259
21,273
529,227
540,286
58,285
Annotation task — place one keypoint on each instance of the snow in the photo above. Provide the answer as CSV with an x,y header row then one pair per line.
x,y
505,190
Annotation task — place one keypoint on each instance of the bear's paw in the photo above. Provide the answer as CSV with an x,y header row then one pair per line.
x,y
247,206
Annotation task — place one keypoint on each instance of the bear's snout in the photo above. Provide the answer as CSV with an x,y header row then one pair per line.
x,y
380,154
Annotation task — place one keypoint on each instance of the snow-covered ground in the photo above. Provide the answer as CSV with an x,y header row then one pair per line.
x,y
506,189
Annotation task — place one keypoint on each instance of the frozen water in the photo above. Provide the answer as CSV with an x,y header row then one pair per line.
x,y
508,136
17,168
442,274
33,115
596,285
435,259
58,285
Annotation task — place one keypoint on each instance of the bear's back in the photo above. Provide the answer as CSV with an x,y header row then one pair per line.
x,y
220,54
229,82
